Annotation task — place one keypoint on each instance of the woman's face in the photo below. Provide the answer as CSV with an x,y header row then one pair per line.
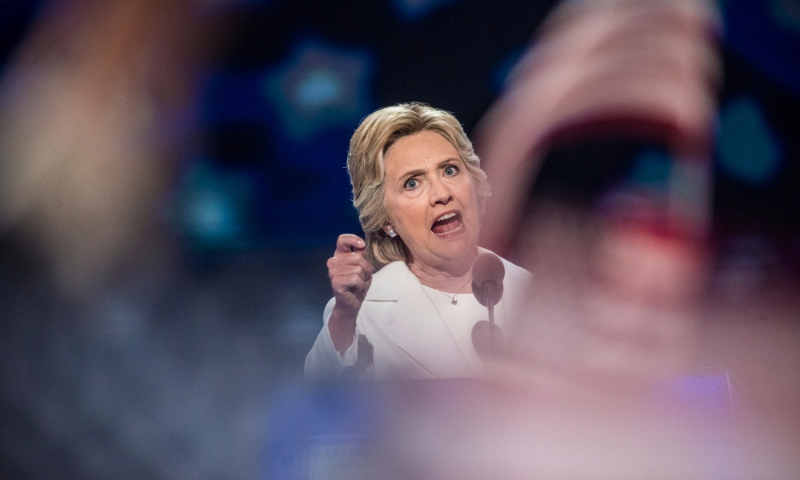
x,y
431,200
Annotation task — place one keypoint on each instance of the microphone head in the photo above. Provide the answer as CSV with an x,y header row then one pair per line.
x,y
487,278
488,268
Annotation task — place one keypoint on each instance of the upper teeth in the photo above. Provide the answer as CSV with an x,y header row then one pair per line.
x,y
445,217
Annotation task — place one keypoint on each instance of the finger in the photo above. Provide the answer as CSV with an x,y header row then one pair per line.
x,y
355,265
364,276
357,255
665,49
347,242
581,16
353,255
347,270
354,284
596,31
595,87
353,258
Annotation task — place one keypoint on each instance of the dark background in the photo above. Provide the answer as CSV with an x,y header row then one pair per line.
x,y
171,376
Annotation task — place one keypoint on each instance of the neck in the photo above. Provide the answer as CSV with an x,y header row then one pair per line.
x,y
451,277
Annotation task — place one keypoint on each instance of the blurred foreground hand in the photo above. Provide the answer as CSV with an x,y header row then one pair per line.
x,y
615,293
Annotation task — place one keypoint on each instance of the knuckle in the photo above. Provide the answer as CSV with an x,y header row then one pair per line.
x,y
332,264
355,281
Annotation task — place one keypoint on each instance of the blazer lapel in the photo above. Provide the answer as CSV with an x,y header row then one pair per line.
x,y
416,326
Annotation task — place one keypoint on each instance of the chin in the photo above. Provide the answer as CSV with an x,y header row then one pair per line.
x,y
458,244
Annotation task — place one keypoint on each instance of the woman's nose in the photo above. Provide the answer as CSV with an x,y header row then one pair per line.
x,y
440,193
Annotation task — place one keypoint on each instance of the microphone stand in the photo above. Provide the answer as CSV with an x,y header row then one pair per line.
x,y
489,288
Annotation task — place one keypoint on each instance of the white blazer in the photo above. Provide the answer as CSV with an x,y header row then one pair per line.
x,y
400,333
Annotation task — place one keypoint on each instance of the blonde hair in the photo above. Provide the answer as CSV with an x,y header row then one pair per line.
x,y
365,164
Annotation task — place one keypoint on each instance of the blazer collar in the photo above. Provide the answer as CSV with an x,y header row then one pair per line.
x,y
415,324
388,283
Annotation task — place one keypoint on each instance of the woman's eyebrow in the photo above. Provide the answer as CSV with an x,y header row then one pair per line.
x,y
448,161
412,173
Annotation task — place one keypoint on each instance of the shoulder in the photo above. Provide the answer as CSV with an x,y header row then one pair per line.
x,y
392,270
515,271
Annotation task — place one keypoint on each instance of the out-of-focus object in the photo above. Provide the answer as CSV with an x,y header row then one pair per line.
x,y
689,427
89,109
606,67
615,301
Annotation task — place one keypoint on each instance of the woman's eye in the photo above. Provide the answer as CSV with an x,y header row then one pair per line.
x,y
450,170
411,183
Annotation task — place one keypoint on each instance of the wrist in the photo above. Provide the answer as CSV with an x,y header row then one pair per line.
x,y
342,328
344,315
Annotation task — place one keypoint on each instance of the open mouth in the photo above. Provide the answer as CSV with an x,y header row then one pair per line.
x,y
447,224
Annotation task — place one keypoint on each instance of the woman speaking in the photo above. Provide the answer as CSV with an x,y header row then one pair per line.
x,y
403,305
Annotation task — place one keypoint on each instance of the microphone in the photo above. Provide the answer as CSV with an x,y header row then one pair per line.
x,y
487,286
487,279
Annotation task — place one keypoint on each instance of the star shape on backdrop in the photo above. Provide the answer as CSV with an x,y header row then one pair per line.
x,y
318,87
